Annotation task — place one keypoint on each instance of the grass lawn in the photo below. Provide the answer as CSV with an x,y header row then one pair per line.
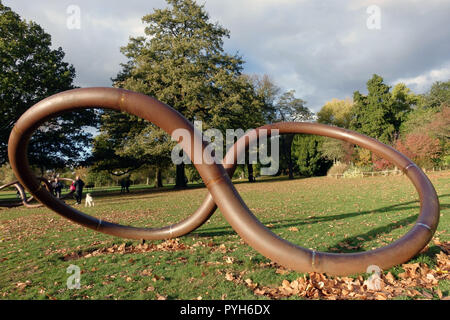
x,y
337,215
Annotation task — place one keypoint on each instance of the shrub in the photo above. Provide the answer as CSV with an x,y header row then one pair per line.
x,y
337,168
353,172
421,148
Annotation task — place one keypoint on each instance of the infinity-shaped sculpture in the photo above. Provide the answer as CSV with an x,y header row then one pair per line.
x,y
23,196
222,192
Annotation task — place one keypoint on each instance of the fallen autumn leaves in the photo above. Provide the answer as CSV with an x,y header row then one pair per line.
x,y
416,276
320,286
170,245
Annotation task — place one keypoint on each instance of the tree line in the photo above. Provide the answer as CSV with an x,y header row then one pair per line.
x,y
181,61
418,125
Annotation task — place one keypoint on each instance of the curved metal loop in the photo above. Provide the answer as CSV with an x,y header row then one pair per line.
x,y
19,189
116,99
302,259
222,192
23,196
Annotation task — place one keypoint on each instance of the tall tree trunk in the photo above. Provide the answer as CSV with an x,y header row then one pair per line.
x,y
289,140
251,178
158,178
180,180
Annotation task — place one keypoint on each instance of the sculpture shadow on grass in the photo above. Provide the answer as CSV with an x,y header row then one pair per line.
x,y
351,241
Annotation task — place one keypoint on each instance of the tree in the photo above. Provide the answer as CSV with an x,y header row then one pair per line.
x,y
306,149
431,116
336,150
403,102
29,72
380,113
153,146
267,92
380,164
336,112
181,62
416,119
126,143
290,108
276,107
99,178
439,126
371,114
426,121
437,96
421,148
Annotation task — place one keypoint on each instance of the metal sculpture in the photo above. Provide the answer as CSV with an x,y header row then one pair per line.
x,y
19,189
23,196
221,190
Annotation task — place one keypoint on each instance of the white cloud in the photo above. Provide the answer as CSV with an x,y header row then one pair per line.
x,y
322,49
423,82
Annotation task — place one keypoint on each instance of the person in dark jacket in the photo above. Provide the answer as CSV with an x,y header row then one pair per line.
x,y
57,188
122,186
79,184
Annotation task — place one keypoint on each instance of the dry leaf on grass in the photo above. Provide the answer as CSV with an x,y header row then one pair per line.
x,y
383,287
229,276
445,246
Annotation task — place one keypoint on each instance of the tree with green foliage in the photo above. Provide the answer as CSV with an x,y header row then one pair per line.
x,y
127,143
438,95
336,150
430,117
181,62
336,112
275,107
428,105
290,108
372,113
379,114
267,92
403,102
309,158
29,72
416,119
98,178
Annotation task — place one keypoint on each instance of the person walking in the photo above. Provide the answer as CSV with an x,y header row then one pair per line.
x,y
122,186
57,188
79,184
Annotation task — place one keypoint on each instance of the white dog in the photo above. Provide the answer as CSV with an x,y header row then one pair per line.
x,y
89,200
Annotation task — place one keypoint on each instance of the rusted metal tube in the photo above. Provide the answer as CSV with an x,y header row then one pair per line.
x,y
220,186
301,259
23,196
116,99
19,189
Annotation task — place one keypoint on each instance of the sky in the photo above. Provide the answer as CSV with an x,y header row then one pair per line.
x,y
320,49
